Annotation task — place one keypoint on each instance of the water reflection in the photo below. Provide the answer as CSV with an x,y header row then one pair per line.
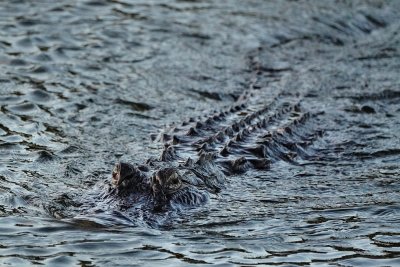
x,y
85,83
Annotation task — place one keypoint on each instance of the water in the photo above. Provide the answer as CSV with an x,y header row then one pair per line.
x,y
85,83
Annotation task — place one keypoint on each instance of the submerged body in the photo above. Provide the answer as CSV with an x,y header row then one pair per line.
x,y
200,153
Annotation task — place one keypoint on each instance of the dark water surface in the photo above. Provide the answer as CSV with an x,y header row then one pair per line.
x,y
85,83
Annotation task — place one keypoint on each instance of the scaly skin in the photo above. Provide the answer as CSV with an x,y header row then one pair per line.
x,y
200,152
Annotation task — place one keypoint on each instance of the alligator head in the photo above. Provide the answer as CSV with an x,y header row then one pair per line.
x,y
164,187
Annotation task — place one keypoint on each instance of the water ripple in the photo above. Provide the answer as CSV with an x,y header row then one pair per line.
x,y
85,82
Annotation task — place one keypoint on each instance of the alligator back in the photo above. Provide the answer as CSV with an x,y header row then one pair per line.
x,y
257,130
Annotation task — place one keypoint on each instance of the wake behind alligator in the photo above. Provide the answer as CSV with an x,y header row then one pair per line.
x,y
259,129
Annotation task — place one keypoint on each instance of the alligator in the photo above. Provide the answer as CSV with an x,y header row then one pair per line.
x,y
198,155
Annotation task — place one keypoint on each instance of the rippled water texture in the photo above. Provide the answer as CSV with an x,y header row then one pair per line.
x,y
85,83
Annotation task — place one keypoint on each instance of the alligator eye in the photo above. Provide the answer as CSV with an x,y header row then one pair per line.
x,y
174,178
174,182
174,185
